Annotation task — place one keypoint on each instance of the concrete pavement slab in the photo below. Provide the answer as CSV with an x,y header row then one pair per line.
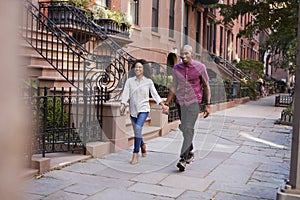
x,y
157,190
194,195
62,195
186,182
151,178
111,193
230,196
74,177
84,168
46,186
251,191
28,196
85,189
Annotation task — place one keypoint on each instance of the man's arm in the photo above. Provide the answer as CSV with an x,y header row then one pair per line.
x,y
170,95
206,91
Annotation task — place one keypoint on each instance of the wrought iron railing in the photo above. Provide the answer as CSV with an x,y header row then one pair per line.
x,y
112,60
220,92
80,51
63,14
90,61
63,121
110,26
235,72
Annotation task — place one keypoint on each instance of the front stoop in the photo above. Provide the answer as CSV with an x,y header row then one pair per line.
x,y
40,163
28,173
149,132
54,161
98,149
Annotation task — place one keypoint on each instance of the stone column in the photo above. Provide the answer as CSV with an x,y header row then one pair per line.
x,y
114,126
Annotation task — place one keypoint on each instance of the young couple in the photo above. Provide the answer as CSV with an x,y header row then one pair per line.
x,y
189,91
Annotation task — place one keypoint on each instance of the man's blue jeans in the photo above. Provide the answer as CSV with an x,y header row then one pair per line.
x,y
138,124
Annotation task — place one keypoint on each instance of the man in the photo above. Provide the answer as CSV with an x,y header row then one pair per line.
x,y
190,85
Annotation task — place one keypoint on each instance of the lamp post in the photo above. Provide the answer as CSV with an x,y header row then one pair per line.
x,y
295,159
291,189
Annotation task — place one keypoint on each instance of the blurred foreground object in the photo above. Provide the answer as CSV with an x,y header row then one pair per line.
x,y
13,120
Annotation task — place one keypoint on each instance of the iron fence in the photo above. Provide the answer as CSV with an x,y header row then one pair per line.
x,y
220,92
63,121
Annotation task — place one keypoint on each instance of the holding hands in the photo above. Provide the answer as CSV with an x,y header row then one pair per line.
x,y
122,109
165,109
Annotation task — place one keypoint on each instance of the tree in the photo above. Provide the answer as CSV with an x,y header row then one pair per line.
x,y
278,17
253,68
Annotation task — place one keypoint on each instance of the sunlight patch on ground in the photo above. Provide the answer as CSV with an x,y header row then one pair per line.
x,y
246,135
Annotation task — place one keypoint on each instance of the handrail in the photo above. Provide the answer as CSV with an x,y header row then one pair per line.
x,y
89,24
115,58
236,71
97,65
35,25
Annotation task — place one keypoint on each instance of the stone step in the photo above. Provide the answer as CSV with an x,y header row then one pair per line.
x,y
149,132
33,59
128,125
57,52
28,173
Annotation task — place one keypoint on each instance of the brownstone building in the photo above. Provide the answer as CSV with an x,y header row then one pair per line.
x,y
161,27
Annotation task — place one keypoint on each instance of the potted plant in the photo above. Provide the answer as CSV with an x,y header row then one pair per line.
x,y
59,13
97,13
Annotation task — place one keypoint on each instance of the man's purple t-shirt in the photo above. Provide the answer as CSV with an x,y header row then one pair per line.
x,y
187,79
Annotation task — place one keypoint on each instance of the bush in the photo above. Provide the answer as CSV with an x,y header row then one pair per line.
x,y
252,89
162,80
56,115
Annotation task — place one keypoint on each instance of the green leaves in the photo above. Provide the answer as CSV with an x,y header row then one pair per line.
x,y
251,67
278,18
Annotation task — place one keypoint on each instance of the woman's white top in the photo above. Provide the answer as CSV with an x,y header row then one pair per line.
x,y
137,92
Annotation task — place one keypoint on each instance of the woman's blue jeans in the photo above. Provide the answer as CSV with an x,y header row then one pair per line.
x,y
138,124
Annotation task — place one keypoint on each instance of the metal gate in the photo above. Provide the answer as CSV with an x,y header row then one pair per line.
x,y
64,121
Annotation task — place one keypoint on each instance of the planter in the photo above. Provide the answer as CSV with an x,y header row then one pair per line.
x,y
63,15
286,118
206,2
110,26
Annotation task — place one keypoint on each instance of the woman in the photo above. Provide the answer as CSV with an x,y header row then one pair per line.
x,y
136,90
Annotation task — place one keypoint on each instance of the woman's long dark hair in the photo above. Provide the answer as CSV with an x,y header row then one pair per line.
x,y
147,71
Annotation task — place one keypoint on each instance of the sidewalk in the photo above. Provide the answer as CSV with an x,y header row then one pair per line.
x,y
239,154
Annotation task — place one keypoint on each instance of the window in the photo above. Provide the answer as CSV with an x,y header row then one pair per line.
x,y
241,20
242,50
214,37
171,18
186,24
236,45
103,3
155,9
198,31
221,41
134,11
